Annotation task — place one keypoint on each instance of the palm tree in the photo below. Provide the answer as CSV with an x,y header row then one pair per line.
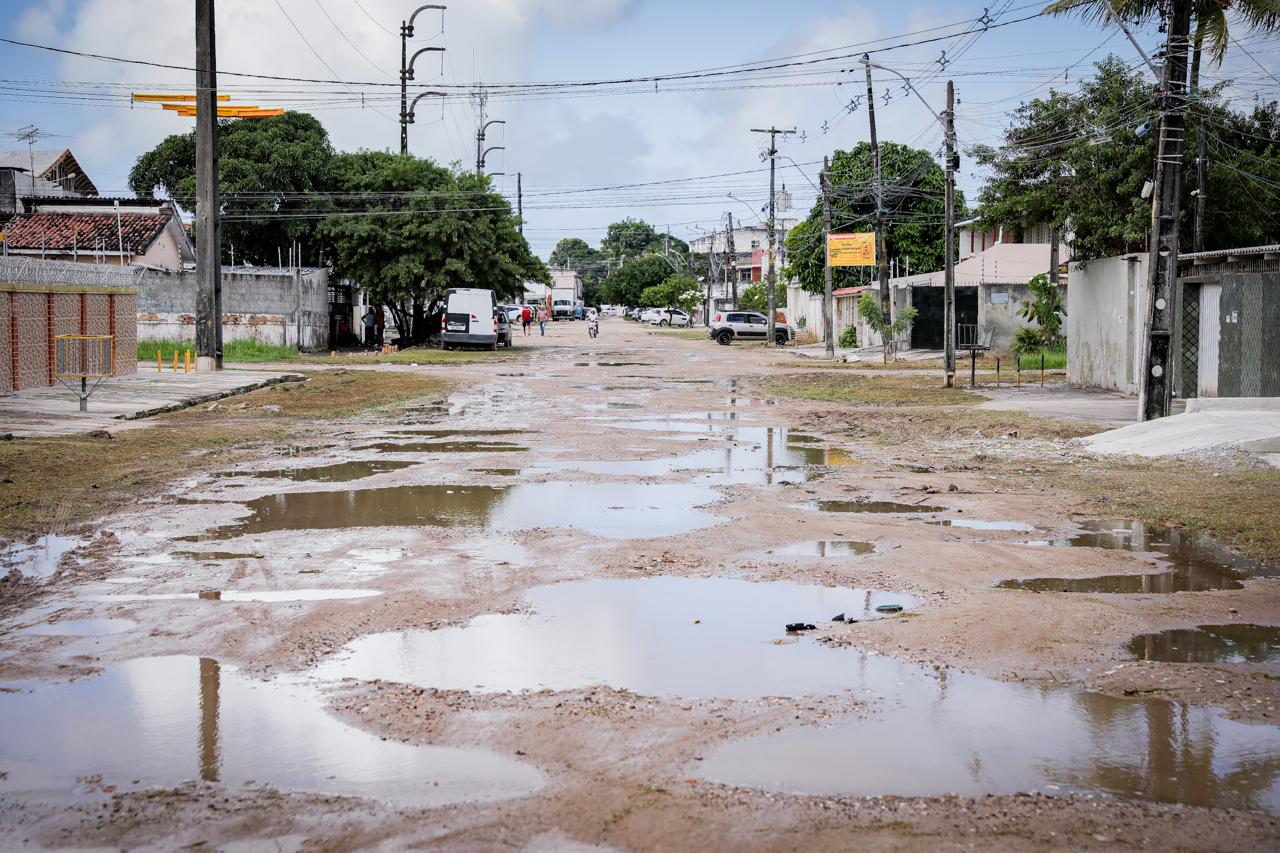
x,y
1210,18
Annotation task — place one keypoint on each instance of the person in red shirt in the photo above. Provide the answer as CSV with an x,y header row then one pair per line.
x,y
526,318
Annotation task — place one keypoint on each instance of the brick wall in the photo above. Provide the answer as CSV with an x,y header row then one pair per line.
x,y
31,316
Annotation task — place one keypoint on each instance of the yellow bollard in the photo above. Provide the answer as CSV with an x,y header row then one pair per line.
x,y
186,366
159,362
175,361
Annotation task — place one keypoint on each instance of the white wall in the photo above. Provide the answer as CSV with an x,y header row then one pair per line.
x,y
1106,307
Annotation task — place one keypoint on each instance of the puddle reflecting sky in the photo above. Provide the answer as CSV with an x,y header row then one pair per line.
x,y
1210,644
981,524
443,447
665,636
620,511
340,472
81,628
933,734
266,595
39,558
822,548
870,506
164,720
1194,563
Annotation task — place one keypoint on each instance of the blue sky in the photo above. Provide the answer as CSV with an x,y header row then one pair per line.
x,y
557,142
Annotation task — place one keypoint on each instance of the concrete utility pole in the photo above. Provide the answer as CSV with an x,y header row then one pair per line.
x,y
520,202
1202,188
482,129
827,321
406,71
949,281
711,262
208,242
1156,390
773,227
732,272
882,254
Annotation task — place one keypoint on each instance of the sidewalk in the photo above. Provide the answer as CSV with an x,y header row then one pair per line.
x,y
118,402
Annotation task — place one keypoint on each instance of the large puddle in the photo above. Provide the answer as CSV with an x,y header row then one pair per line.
x,y
1194,563
443,447
664,636
611,511
890,507
340,472
937,733
823,548
39,558
264,595
155,722
1210,644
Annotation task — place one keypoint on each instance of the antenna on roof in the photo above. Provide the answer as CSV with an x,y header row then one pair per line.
x,y
30,135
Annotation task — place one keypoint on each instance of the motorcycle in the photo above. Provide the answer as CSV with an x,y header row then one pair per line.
x,y
593,327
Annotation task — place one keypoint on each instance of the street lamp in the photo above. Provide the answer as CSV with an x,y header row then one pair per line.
x,y
407,118
406,70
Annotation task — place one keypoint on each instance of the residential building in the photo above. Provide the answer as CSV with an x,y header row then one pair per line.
x,y
54,166
122,231
750,257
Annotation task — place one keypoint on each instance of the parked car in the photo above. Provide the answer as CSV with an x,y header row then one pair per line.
x,y
728,326
512,312
504,324
674,317
470,318
650,315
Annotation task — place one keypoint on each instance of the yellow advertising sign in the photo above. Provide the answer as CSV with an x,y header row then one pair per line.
x,y
851,250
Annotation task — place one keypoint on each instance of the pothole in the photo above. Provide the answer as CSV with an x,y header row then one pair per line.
x,y
1238,643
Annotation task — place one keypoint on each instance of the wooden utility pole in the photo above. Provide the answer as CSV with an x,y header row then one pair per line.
x,y
882,254
208,242
949,280
1156,389
773,226
733,261
827,314
1202,187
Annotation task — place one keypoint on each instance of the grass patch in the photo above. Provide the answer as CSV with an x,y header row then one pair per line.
x,y
238,350
58,483
1053,360
415,355
869,390
686,334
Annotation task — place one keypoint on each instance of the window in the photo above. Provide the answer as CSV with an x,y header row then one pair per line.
x,y
756,320
736,318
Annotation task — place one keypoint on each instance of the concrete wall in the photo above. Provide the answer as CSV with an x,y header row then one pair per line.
x,y
276,306
802,305
1106,306
998,313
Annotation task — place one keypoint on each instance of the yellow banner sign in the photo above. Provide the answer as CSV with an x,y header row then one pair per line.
x,y
851,250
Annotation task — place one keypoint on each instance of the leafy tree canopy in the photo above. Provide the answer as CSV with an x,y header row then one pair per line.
x,y
676,291
262,163
1074,160
754,298
627,284
444,229
914,184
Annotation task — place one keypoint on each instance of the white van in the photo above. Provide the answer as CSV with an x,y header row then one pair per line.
x,y
468,318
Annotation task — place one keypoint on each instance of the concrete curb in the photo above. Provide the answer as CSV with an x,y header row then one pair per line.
x,y
1233,404
209,398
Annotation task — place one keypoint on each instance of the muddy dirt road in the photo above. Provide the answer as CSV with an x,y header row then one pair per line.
x,y
552,611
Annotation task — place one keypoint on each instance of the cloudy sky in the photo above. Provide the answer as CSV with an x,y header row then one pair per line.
x,y
562,141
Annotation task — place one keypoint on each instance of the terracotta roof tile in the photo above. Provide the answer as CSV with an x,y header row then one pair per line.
x,y
84,231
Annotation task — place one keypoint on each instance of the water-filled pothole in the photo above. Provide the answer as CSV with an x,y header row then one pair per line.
x,y
455,433
1210,644
663,636
619,511
340,472
214,556
870,506
81,628
39,558
982,524
443,447
937,733
154,722
1195,563
823,548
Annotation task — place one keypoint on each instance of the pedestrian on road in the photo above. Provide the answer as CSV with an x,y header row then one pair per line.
x,y
379,327
577,312
370,321
526,317
542,321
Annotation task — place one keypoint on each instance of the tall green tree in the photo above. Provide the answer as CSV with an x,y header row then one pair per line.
x,y
676,291
578,254
266,167
627,284
1075,160
914,184
406,230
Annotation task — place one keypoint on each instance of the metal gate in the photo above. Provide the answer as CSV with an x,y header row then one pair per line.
x,y
1207,368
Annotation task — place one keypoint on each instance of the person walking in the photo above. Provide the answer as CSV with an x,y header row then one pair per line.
x,y
542,321
577,312
370,321
526,318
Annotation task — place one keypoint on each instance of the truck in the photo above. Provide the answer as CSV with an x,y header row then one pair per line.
x,y
566,293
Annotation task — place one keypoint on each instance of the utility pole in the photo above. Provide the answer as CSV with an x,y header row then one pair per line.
x,y
732,272
1202,188
482,128
949,280
827,321
1156,389
406,71
882,254
711,261
520,202
773,227
208,243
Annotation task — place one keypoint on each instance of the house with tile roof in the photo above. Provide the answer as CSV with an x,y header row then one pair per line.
x,y
57,166
142,232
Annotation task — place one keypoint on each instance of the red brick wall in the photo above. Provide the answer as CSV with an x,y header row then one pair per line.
x,y
72,313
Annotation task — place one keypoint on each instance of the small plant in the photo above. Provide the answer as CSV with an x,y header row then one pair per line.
x,y
1026,341
848,338
802,323
1046,308
870,310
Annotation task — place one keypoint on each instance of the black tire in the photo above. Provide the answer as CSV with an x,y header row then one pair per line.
x,y
781,340
663,323
724,338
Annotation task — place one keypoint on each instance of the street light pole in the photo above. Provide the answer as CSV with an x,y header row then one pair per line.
x,y
773,228
406,70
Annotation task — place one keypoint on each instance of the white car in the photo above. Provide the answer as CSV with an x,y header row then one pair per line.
x,y
664,317
649,315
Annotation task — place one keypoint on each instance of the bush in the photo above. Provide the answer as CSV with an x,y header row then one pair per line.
x,y
1027,340
239,350
848,338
